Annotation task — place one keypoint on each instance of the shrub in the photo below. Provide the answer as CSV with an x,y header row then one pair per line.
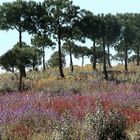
x,y
63,129
102,125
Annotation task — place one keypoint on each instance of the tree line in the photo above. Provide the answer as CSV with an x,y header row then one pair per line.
x,y
60,23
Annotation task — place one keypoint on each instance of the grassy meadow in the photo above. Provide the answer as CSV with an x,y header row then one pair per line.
x,y
82,106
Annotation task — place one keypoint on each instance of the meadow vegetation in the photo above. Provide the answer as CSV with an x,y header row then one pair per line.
x,y
82,106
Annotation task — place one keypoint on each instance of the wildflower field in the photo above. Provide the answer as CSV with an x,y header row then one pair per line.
x,y
80,107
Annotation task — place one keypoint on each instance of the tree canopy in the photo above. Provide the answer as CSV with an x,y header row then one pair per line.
x,y
64,23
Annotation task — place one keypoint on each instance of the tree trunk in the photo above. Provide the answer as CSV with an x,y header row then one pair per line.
x,y
71,61
95,57
22,67
82,61
20,37
126,57
138,55
60,57
122,62
104,58
108,57
22,74
43,57
20,81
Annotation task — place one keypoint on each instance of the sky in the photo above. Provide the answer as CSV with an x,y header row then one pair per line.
x,y
9,38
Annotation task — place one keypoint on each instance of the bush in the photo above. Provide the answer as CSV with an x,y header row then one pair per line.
x,y
63,129
105,126
8,85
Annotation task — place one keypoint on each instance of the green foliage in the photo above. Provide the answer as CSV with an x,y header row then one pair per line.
x,y
40,41
11,14
54,60
81,51
58,16
69,47
103,126
17,57
63,129
61,13
99,55
19,15
89,25
112,29
119,57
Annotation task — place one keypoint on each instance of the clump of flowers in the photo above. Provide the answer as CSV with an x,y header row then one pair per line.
x,y
64,128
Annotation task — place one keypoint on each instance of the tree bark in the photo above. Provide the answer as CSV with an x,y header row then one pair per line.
x,y
108,57
43,57
60,57
82,61
104,58
22,74
138,55
94,55
20,81
20,37
71,61
126,56
22,67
